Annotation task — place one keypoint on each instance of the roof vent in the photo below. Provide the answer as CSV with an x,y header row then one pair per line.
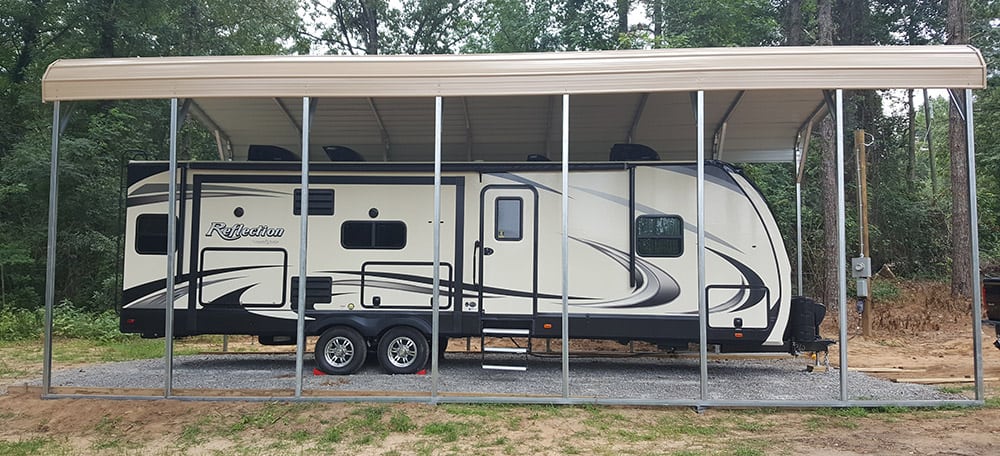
x,y
633,152
342,154
258,152
538,158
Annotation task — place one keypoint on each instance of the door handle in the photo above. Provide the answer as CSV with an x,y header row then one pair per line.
x,y
487,251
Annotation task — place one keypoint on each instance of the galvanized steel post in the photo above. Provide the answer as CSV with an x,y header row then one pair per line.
x,y
565,246
300,327
702,297
50,256
168,305
435,288
841,246
977,302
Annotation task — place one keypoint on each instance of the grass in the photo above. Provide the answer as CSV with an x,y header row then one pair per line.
x,y
33,446
448,431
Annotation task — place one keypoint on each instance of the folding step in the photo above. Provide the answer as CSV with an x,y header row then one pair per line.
x,y
506,332
505,358
505,367
517,350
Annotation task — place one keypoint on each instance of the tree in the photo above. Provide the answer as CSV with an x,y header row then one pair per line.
x,y
961,242
828,174
378,27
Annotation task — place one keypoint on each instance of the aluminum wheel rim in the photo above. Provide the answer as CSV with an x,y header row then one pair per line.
x,y
402,351
339,351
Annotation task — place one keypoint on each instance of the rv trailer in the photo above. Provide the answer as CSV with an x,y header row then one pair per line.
x,y
632,249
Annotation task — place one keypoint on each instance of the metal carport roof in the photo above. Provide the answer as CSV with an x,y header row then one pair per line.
x,y
503,107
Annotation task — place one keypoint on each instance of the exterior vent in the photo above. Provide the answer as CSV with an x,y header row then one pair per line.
x,y
319,290
320,202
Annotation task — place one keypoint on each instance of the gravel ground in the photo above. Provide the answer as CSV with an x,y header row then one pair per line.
x,y
619,378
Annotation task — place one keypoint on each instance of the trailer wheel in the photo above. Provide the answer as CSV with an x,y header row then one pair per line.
x,y
402,350
340,351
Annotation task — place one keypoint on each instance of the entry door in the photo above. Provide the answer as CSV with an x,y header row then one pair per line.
x,y
506,250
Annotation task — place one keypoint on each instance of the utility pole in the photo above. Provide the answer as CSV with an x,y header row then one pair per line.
x,y
864,274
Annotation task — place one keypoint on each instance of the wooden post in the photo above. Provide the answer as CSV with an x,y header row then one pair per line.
x,y
859,145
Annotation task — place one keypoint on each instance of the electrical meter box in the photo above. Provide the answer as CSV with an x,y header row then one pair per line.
x,y
861,267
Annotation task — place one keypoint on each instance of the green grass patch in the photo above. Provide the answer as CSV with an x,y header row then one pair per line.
x,y
956,389
494,411
752,425
192,434
30,447
8,371
602,419
401,422
850,412
332,435
260,419
679,425
992,402
448,431
743,449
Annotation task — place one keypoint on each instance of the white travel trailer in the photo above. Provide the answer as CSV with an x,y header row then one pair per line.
x,y
633,268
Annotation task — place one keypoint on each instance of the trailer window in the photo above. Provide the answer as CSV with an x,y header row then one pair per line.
x,y
373,235
509,219
151,234
659,236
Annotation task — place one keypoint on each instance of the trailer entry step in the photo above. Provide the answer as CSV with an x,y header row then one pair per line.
x,y
518,350
501,356
506,331
506,368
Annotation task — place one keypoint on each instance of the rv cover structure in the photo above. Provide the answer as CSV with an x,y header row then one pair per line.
x,y
734,104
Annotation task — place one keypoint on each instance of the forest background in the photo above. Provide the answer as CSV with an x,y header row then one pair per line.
x,y
910,196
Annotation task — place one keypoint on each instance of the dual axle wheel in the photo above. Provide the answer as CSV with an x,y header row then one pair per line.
x,y
342,350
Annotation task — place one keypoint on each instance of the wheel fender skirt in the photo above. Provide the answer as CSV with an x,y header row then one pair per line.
x,y
370,326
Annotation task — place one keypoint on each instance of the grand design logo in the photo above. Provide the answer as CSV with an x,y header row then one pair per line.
x,y
239,230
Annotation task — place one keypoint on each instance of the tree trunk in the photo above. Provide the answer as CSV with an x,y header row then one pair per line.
x,y
825,22
793,23
911,143
828,178
961,242
29,26
657,19
623,7
369,11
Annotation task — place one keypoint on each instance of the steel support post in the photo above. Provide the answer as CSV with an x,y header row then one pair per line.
x,y
799,157
168,305
300,328
702,297
50,256
841,246
565,246
977,302
435,288
798,238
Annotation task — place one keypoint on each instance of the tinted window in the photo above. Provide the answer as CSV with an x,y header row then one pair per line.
x,y
373,235
151,234
659,235
508,219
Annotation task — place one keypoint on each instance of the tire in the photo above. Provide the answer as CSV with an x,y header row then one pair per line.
x,y
402,350
340,351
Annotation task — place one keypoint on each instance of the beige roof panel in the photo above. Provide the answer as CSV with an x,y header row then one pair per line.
x,y
503,107
834,67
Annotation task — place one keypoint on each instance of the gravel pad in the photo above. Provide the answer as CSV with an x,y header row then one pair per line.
x,y
619,378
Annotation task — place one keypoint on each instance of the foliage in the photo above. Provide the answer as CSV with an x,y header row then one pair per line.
x,y
67,321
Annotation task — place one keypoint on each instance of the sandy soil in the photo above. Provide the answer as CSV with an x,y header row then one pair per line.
x,y
923,333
